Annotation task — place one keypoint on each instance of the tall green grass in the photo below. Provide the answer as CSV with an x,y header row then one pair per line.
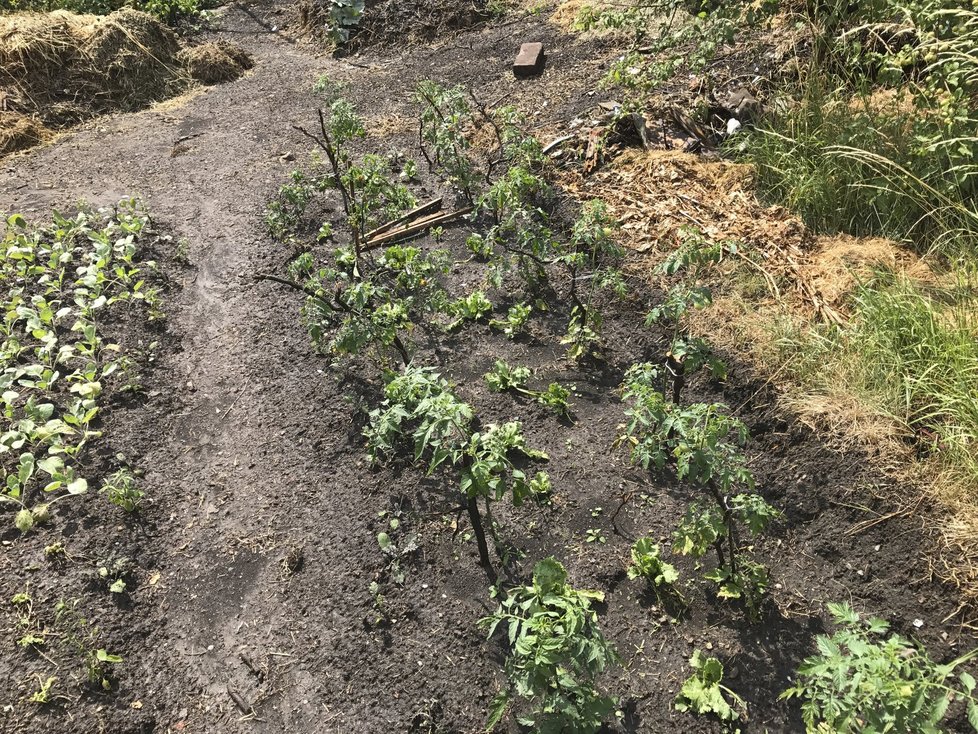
x,y
886,143
882,143
918,351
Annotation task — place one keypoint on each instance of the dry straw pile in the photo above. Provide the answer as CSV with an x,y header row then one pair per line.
x,y
59,68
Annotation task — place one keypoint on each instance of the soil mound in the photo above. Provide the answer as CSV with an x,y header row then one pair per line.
x,y
18,131
61,68
213,63
389,22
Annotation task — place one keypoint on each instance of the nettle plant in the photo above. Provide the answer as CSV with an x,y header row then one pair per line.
x,y
687,354
557,653
57,282
505,376
865,680
422,415
704,445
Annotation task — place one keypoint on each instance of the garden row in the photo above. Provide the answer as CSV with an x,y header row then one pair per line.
x,y
372,297
66,288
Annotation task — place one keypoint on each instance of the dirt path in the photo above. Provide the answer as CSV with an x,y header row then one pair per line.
x,y
264,524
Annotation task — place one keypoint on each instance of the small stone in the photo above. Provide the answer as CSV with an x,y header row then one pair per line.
x,y
529,61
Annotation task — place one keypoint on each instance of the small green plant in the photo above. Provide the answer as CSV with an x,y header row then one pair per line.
x,y
595,535
285,214
704,693
421,412
647,563
395,552
113,572
473,307
687,354
704,444
515,322
78,635
43,693
122,490
556,654
344,17
583,338
862,680
504,376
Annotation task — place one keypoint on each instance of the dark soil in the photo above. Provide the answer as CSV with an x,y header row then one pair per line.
x,y
264,516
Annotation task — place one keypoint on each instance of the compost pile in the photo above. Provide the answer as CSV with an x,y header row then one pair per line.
x,y
59,68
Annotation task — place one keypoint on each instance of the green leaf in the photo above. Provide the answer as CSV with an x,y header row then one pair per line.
x,y
103,656
967,680
24,520
497,709
79,486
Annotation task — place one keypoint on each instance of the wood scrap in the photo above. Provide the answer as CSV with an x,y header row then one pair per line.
x,y
427,208
415,228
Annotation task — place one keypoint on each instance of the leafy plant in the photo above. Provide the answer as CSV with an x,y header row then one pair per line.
x,y
862,680
344,16
687,354
515,322
421,411
43,693
123,490
556,654
473,307
395,551
583,338
704,445
647,563
359,306
446,114
57,283
504,376
704,693
113,572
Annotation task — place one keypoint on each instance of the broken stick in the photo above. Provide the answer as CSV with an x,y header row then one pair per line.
x,y
415,228
432,206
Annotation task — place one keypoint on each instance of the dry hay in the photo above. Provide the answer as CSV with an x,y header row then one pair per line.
x,y
66,67
213,63
62,68
656,193
18,131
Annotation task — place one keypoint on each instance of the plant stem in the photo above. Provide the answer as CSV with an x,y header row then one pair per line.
x,y
480,539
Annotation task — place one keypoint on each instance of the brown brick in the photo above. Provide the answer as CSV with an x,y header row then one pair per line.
x,y
529,61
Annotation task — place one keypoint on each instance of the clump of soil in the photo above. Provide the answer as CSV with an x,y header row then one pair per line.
x,y
62,68
387,22
213,63
18,131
